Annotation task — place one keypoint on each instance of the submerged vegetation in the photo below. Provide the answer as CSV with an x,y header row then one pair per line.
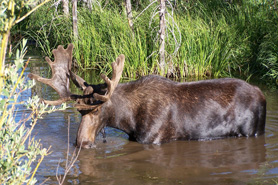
x,y
204,38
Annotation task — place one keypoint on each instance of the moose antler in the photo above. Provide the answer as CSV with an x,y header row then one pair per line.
x,y
117,69
60,68
61,73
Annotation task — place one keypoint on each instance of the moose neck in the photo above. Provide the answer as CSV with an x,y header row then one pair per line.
x,y
117,112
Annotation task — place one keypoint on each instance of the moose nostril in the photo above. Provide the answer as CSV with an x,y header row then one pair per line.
x,y
91,145
88,145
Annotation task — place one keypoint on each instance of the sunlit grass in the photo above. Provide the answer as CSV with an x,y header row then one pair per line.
x,y
214,38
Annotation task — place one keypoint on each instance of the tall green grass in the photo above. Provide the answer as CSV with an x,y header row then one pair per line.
x,y
268,57
103,35
205,50
48,29
257,21
214,38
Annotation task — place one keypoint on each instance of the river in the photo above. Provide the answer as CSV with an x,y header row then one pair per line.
x,y
122,162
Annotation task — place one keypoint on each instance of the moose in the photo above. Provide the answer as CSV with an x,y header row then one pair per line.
x,y
154,109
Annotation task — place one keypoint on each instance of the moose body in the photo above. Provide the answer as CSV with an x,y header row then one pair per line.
x,y
155,109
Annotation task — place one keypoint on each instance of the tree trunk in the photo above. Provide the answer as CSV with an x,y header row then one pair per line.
x,y
129,14
162,24
66,7
74,19
90,5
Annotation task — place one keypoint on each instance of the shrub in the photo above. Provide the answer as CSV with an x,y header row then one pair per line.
x,y
19,150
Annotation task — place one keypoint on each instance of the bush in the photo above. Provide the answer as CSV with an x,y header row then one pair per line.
x,y
19,150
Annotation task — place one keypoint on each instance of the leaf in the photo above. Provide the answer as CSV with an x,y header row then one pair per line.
x,y
5,92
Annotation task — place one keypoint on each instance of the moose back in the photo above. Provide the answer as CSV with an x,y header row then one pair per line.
x,y
154,109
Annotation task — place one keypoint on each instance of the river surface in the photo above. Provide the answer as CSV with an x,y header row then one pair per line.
x,y
122,162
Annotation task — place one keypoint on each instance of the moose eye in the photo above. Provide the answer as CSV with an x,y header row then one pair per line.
x,y
95,111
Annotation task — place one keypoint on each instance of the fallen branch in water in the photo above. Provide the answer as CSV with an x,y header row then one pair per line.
x,y
69,163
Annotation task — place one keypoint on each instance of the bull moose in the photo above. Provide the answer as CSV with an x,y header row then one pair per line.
x,y
154,109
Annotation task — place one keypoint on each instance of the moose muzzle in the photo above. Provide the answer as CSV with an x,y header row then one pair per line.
x,y
88,130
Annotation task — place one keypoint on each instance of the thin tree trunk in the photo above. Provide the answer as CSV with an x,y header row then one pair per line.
x,y
74,19
162,24
129,14
90,5
3,50
66,7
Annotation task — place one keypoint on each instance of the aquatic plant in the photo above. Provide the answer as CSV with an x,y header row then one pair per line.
x,y
217,38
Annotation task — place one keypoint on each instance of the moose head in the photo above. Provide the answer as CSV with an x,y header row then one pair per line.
x,y
154,109
94,96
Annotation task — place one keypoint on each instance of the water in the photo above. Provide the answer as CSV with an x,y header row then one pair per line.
x,y
119,161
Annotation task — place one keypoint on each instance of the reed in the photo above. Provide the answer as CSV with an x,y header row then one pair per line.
x,y
257,22
268,57
105,38
214,38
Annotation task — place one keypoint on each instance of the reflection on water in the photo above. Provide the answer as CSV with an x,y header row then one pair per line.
x,y
190,162
119,161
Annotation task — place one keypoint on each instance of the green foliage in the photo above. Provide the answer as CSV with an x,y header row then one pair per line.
x,y
18,148
11,13
206,49
48,29
268,57
105,38
257,22
204,38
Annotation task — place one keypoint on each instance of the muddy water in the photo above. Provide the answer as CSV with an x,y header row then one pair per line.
x,y
123,162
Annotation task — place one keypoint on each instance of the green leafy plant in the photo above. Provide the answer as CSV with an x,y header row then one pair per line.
x,y
19,150
11,13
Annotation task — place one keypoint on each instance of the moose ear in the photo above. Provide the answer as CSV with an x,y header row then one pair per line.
x,y
78,81
85,107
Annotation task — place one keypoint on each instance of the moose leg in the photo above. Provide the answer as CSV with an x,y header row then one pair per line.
x,y
103,135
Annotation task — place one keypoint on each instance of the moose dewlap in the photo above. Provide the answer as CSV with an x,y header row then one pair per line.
x,y
154,109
